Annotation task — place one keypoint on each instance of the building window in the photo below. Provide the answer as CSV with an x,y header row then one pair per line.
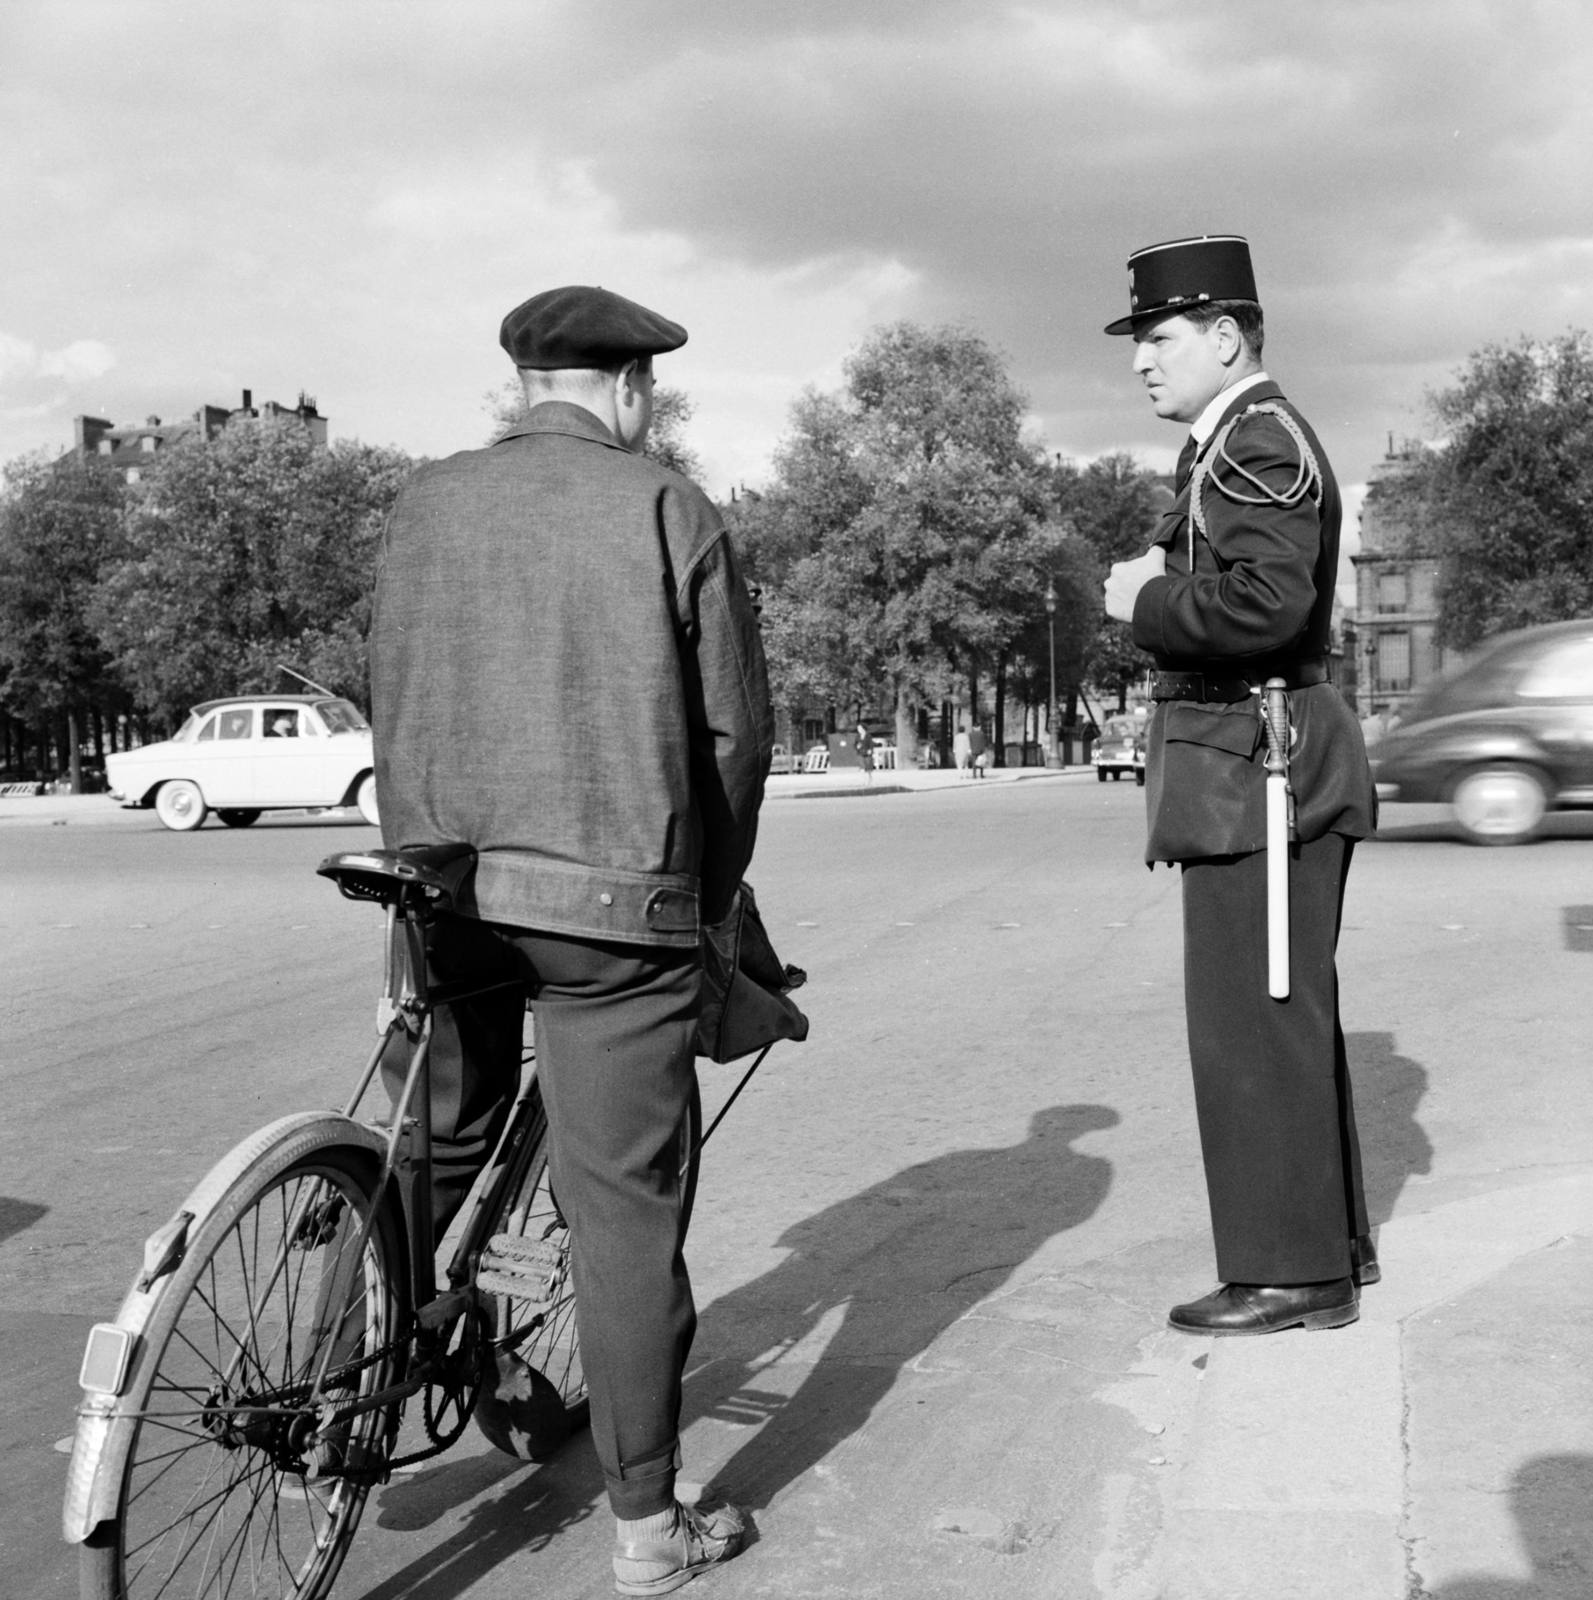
x,y
1393,661
1393,591
1424,588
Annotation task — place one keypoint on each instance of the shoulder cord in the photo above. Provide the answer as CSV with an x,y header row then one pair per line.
x,y
1308,480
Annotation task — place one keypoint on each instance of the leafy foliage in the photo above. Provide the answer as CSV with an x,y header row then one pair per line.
x,y
903,541
1507,503
238,554
58,525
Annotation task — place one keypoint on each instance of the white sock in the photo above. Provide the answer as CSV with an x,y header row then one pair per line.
x,y
642,1529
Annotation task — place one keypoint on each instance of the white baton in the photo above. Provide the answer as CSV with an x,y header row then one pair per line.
x,y
1275,716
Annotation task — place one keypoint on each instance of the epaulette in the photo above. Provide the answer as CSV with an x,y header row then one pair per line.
x,y
1307,481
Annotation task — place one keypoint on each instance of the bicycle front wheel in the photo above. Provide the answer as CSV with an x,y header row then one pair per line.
x,y
242,1477
537,1397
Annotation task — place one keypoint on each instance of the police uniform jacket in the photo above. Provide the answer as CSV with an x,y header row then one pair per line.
x,y
566,673
1249,598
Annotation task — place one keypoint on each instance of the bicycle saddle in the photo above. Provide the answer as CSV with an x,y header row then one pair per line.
x,y
439,871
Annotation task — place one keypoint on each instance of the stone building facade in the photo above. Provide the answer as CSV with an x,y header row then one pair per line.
x,y
126,448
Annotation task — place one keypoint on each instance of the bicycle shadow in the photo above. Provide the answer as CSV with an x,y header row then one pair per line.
x,y
1388,1089
529,1513
890,1269
1550,1496
898,1264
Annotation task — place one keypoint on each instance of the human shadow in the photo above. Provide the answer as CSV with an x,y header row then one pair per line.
x,y
1394,1146
889,1269
18,1215
1550,1497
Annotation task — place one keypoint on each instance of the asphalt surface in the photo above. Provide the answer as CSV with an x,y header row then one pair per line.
x,y
934,1246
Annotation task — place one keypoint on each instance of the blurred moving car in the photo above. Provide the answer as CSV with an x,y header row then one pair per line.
x,y
1503,738
1120,750
249,754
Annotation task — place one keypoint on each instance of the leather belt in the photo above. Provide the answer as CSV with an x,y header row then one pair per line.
x,y
1225,687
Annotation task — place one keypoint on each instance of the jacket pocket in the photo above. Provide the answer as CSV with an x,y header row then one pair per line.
x,y
1234,728
1205,789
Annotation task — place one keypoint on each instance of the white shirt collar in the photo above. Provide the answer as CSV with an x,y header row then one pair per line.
x,y
1206,423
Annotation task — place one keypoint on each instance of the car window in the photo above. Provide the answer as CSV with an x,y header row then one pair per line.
x,y
237,724
208,731
281,722
341,717
1564,673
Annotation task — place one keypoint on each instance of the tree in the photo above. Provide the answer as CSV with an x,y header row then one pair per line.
x,y
58,523
899,541
1506,503
254,549
666,438
1114,503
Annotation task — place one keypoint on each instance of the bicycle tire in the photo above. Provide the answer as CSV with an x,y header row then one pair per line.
x,y
537,1396
208,1503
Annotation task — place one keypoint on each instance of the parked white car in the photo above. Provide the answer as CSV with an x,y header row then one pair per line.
x,y
250,754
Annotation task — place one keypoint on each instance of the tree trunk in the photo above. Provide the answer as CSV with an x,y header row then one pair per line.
x,y
906,728
74,750
973,690
1001,709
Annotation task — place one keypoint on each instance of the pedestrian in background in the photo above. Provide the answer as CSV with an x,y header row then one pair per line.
x,y
566,674
1238,588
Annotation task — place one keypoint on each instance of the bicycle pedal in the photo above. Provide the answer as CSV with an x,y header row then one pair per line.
x,y
506,1247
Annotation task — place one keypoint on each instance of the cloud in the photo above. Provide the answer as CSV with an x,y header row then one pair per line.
x,y
83,358
348,198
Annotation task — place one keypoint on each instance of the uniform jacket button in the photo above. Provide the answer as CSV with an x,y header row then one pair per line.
x,y
606,899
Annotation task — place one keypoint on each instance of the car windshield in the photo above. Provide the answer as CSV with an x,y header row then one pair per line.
x,y
185,734
1121,728
341,717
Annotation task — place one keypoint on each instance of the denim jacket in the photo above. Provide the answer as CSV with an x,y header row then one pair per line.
x,y
566,673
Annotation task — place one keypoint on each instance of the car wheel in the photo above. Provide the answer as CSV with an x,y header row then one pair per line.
x,y
239,819
365,799
1139,778
1100,774
1500,805
180,805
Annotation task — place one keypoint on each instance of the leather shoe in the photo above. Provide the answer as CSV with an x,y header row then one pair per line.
x,y
1237,1308
702,1538
1363,1260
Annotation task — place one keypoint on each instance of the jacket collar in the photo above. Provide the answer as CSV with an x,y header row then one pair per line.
x,y
561,416
1210,422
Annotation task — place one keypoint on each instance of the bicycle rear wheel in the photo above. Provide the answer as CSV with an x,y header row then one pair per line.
x,y
226,1489
537,1397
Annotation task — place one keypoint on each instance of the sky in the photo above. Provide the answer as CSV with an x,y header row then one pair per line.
x,y
346,198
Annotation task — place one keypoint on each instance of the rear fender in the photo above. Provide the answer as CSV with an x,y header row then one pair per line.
x,y
108,1422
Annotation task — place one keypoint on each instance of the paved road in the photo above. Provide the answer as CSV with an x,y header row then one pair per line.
x,y
934,1245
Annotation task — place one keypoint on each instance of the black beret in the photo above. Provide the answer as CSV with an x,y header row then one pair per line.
x,y
582,327
1164,279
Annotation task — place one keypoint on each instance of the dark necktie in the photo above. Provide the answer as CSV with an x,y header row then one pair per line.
x,y
1186,462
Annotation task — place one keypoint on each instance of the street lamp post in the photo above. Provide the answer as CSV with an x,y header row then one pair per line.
x,y
1050,619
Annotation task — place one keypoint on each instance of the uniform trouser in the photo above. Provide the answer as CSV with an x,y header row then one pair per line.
x,y
1272,1084
616,1029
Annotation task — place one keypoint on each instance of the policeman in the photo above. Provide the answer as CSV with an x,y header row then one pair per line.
x,y
1237,588
566,674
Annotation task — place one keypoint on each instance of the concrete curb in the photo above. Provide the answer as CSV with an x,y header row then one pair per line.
x,y
1297,1477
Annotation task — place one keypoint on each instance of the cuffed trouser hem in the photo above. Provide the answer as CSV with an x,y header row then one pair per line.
x,y
645,1487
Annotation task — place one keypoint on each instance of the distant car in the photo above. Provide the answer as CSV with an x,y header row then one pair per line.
x,y
1503,738
1120,750
250,754
783,760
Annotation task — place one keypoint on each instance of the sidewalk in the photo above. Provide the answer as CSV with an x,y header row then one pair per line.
x,y
1416,1454
850,781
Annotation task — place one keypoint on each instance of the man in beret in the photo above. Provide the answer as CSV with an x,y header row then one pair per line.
x,y
566,674
1237,588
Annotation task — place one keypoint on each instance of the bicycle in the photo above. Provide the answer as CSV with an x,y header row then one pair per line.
x,y
249,1394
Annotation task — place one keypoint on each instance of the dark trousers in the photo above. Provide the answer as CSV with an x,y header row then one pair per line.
x,y
616,1030
1272,1084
